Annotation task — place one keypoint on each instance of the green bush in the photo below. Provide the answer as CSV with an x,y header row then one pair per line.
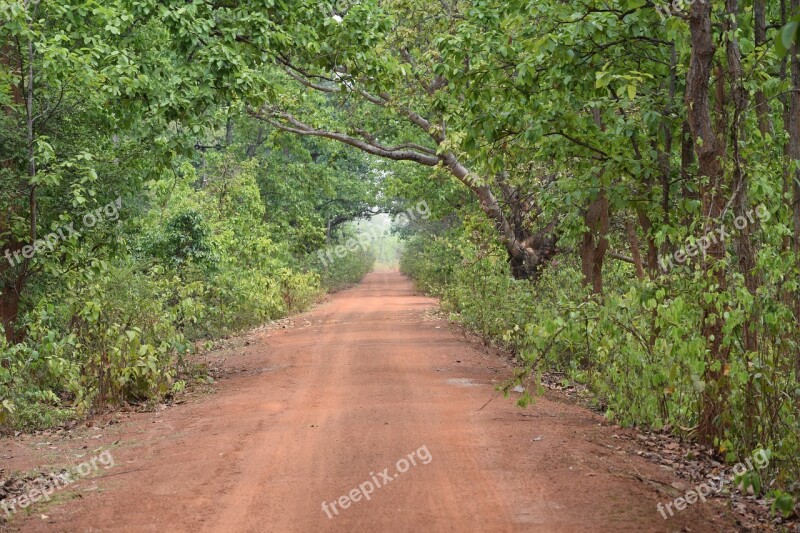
x,y
637,349
342,272
194,264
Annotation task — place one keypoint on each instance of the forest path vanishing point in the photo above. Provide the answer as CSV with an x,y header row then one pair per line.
x,y
373,397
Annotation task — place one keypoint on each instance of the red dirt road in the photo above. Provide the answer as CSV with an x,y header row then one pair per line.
x,y
313,411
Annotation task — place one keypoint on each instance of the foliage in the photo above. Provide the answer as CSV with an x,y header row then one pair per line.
x,y
637,348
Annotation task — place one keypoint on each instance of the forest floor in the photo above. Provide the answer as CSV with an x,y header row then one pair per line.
x,y
374,402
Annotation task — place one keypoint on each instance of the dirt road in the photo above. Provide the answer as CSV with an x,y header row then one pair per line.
x,y
312,412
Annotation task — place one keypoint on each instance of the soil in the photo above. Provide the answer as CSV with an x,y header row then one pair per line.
x,y
307,411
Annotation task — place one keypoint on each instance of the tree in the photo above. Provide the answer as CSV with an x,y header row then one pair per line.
x,y
402,83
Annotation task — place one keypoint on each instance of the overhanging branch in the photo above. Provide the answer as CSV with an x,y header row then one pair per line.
x,y
288,123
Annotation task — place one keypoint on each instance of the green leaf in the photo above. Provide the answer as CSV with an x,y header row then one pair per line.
x,y
787,37
783,503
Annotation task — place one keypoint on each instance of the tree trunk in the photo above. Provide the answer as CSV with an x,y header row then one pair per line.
x,y
652,248
760,33
710,151
636,253
595,242
687,160
528,255
744,245
14,276
229,132
595,239
9,307
793,125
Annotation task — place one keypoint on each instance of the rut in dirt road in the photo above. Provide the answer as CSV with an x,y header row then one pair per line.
x,y
368,419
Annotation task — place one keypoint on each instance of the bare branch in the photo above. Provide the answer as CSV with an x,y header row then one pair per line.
x,y
286,122
412,146
621,257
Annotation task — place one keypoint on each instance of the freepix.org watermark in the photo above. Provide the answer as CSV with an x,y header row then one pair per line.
x,y
675,7
363,240
704,490
46,486
365,489
719,234
109,212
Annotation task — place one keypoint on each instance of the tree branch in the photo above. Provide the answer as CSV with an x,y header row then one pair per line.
x,y
288,123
